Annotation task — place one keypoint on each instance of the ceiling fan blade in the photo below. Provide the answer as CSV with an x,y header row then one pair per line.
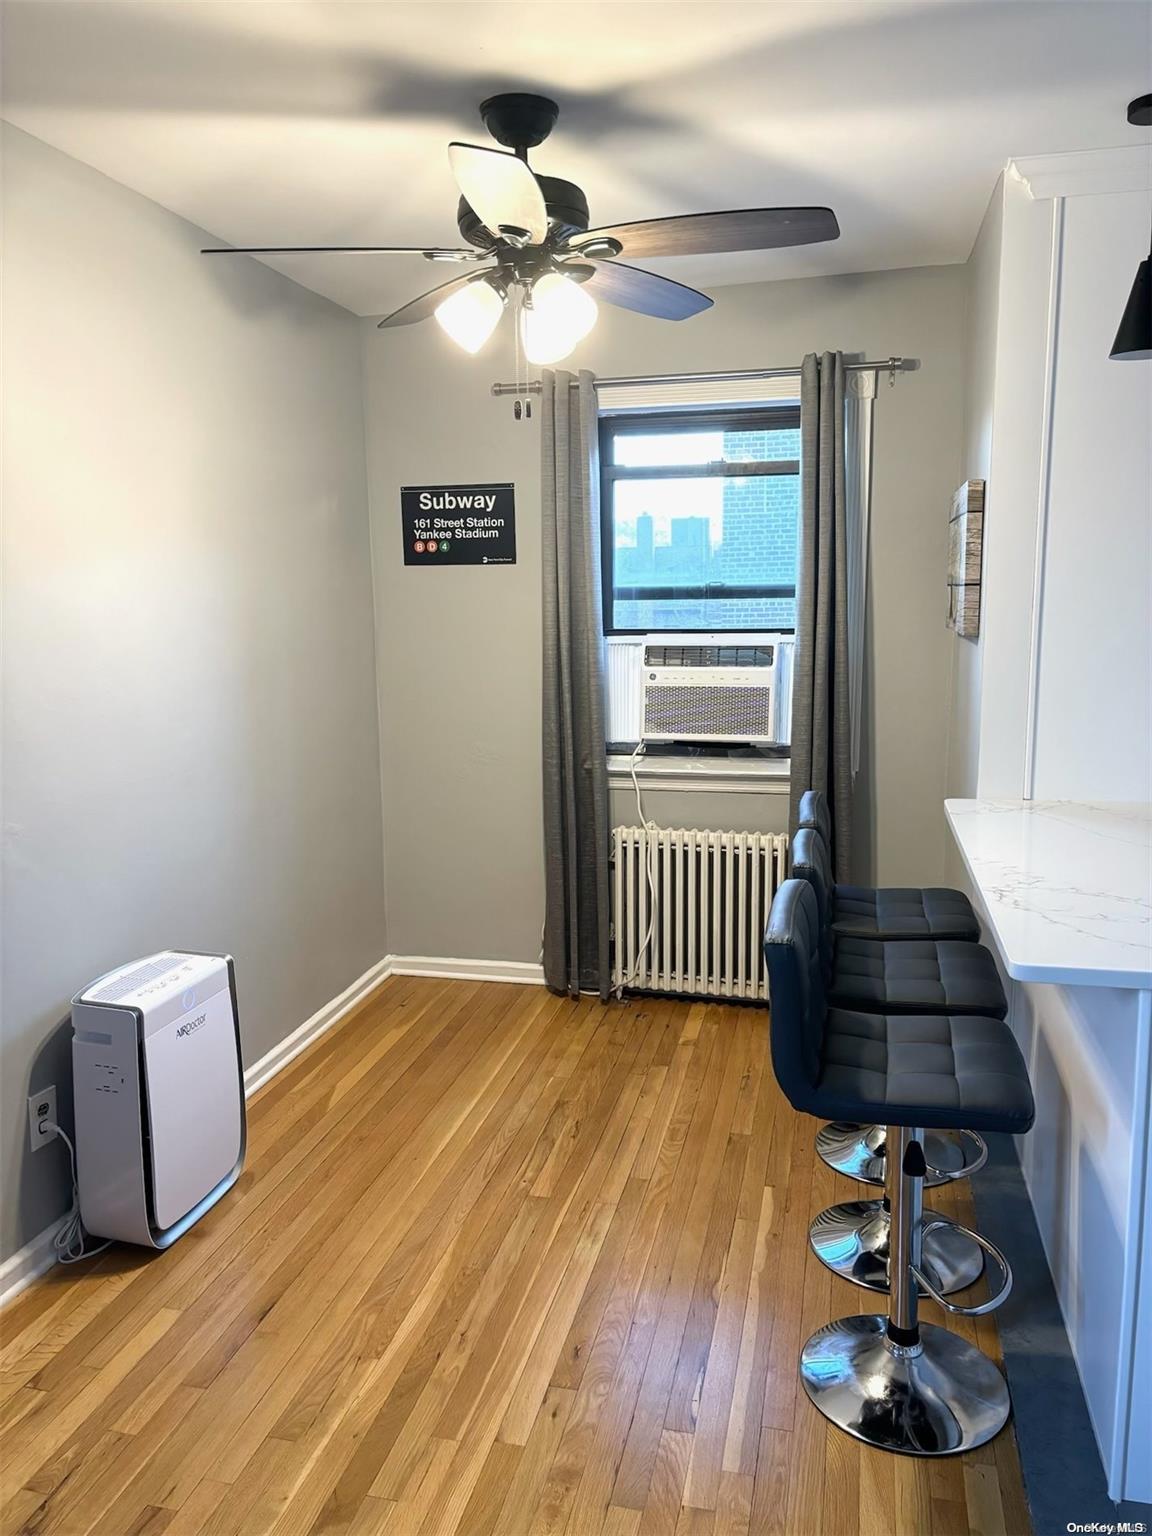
x,y
500,190
423,307
644,292
432,252
701,234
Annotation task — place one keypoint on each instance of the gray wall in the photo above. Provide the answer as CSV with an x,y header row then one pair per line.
x,y
982,298
189,707
458,649
705,810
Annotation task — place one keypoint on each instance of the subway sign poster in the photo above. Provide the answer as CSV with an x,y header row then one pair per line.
x,y
458,524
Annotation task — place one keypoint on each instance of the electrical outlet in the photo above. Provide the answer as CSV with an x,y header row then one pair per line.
x,y
41,1107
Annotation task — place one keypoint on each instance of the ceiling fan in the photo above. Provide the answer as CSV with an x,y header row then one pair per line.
x,y
531,234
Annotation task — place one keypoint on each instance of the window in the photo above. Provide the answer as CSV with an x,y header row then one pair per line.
x,y
700,519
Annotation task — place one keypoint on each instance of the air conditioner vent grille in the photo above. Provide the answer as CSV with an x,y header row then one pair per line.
x,y
715,711
709,655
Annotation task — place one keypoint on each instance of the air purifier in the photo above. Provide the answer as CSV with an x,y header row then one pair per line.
x,y
159,1095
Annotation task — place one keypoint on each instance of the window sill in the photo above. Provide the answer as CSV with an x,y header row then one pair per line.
x,y
769,777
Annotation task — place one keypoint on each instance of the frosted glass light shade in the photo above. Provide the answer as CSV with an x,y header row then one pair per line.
x,y
560,315
471,314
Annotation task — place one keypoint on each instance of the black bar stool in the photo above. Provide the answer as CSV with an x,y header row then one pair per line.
x,y
890,1380
896,975
887,912
892,913
852,1237
910,975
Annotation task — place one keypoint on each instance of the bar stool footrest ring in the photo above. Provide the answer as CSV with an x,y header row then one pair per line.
x,y
998,1297
859,1152
949,1176
852,1238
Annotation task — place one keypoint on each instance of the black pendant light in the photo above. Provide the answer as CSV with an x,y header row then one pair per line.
x,y
1134,338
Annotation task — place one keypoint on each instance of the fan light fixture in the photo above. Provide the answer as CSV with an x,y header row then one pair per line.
x,y
1134,338
471,314
557,314
533,234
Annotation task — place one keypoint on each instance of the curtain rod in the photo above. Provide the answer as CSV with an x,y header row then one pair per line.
x,y
889,365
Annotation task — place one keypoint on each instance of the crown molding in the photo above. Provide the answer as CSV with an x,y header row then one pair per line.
x,y
1127,168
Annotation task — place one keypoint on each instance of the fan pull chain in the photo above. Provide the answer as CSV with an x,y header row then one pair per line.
x,y
520,341
518,405
522,406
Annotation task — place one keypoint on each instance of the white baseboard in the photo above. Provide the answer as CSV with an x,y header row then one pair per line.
x,y
523,971
319,1024
392,965
28,1263
37,1257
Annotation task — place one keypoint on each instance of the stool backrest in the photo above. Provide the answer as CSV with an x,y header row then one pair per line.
x,y
795,989
814,812
812,862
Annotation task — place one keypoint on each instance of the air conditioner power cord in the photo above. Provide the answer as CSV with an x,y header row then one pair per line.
x,y
650,828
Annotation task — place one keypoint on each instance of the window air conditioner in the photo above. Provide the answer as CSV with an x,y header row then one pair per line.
x,y
629,678
715,689
159,1095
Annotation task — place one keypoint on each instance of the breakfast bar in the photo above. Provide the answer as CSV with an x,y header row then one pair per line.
x,y
1064,892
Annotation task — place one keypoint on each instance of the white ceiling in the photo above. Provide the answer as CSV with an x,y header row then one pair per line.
x,y
275,122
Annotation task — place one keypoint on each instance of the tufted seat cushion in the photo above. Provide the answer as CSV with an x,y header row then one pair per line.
x,y
939,1071
893,913
915,976
943,1070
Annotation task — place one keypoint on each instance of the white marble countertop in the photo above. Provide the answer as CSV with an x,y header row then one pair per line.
x,y
1066,886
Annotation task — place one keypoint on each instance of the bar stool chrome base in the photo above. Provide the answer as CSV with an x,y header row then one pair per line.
x,y
852,1239
935,1398
859,1152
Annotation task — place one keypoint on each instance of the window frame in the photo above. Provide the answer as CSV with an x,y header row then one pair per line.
x,y
658,421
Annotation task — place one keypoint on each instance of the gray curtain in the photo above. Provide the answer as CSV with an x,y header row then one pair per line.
x,y
821,723
575,764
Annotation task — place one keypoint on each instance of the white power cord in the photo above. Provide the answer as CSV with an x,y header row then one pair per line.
x,y
650,852
69,1240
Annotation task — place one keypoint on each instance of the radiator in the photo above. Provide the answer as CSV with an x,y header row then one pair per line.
x,y
707,901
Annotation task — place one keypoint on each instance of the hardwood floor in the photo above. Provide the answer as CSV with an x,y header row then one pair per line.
x,y
499,1265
